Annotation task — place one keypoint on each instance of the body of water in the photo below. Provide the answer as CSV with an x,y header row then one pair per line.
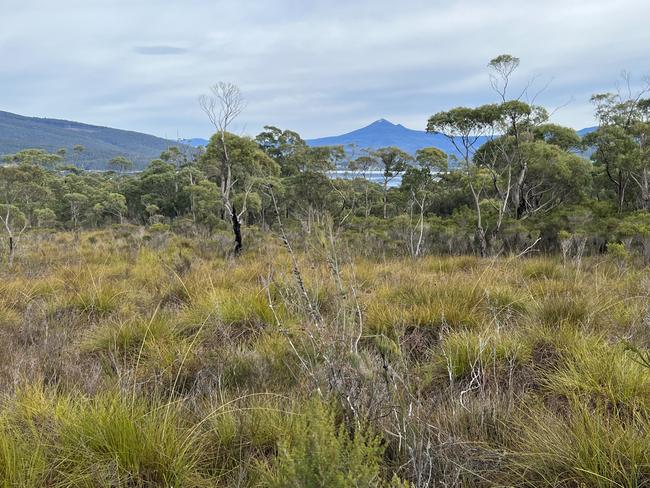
x,y
376,176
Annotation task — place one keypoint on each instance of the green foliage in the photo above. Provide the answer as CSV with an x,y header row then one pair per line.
x,y
318,453
349,352
34,157
617,250
121,163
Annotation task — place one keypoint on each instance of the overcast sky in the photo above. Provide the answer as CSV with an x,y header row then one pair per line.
x,y
318,67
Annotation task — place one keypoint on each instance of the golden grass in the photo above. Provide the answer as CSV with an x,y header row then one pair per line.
x,y
137,360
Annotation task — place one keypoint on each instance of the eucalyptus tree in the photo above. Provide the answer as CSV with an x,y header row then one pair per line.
x,y
24,189
518,123
77,151
363,165
393,161
555,177
121,164
14,223
222,106
155,185
621,144
286,147
418,182
77,204
206,203
176,156
110,204
34,157
245,167
613,153
497,143
466,129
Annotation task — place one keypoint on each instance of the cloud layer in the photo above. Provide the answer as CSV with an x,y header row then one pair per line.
x,y
318,67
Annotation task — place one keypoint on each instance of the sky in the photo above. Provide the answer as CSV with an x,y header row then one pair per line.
x,y
318,67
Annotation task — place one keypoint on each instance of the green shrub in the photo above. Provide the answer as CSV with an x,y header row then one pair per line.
x,y
319,454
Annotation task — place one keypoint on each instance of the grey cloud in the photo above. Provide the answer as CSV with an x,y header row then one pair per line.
x,y
320,67
159,50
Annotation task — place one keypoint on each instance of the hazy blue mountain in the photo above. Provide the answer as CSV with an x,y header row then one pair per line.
x,y
586,130
101,143
383,133
195,142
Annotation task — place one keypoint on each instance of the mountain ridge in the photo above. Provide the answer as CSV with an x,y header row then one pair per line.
x,y
383,133
18,132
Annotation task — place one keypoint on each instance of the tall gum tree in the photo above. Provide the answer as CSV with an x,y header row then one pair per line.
x,y
466,128
222,106
249,168
393,161
621,144
24,189
418,182
497,143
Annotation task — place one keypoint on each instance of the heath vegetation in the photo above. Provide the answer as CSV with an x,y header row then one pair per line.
x,y
138,357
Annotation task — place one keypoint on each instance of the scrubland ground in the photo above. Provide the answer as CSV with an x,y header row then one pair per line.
x,y
132,359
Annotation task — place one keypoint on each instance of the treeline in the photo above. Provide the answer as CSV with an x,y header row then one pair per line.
x,y
531,185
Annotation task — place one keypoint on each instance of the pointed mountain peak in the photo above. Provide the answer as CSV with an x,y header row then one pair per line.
x,y
382,122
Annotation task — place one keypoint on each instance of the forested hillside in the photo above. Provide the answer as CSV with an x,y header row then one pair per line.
x,y
98,144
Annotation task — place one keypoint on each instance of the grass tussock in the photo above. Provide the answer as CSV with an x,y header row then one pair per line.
x,y
141,359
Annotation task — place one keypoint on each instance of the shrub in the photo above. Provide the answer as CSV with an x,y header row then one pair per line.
x,y
319,454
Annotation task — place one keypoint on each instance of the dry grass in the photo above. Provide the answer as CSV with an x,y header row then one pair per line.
x,y
138,360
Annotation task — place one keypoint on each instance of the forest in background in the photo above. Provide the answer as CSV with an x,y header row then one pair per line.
x,y
520,182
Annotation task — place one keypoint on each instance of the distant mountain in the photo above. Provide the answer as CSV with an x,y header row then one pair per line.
x,y
383,133
587,130
196,142
101,143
